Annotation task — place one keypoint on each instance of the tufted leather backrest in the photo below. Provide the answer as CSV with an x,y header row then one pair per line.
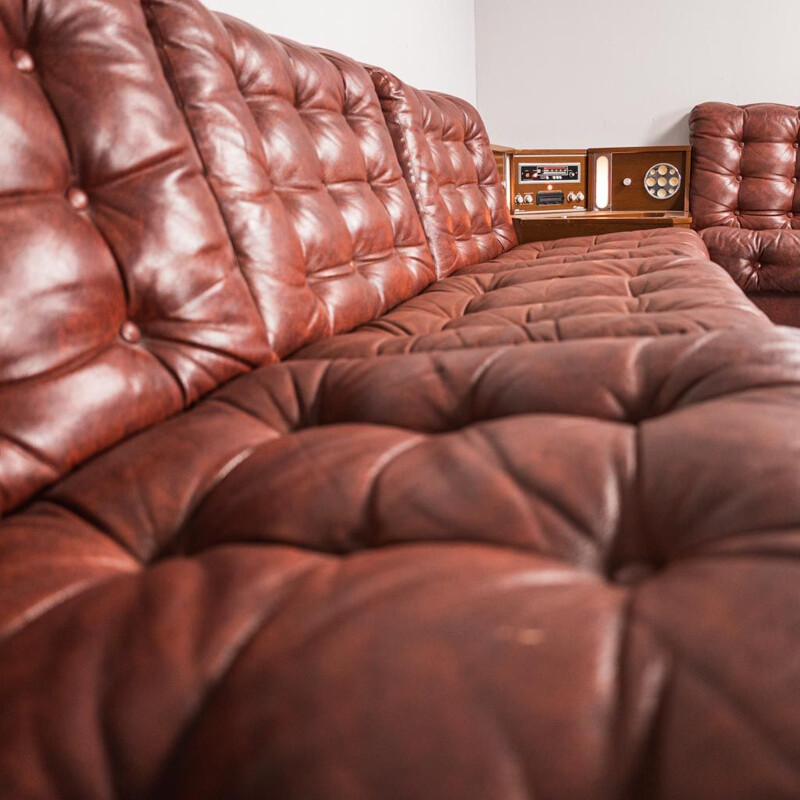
x,y
447,159
121,302
745,166
298,155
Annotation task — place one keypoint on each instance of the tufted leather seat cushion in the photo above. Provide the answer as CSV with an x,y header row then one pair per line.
x,y
121,302
547,565
447,159
745,199
643,283
475,572
301,163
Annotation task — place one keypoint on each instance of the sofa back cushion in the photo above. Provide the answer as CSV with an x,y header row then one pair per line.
x,y
300,160
120,301
745,166
447,159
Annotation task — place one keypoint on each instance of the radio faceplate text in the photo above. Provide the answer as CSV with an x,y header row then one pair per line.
x,y
549,173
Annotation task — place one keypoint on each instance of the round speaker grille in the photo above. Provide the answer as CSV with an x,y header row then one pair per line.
x,y
662,181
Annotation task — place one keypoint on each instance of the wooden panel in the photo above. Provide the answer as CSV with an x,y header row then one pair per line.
x,y
633,163
546,227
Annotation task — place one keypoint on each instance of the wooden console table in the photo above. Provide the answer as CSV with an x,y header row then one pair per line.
x,y
544,226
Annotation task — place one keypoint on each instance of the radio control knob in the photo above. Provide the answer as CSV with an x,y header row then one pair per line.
x,y
627,182
572,197
529,198
519,199
580,197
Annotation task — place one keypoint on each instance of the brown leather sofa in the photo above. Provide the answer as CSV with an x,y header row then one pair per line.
x,y
745,199
316,486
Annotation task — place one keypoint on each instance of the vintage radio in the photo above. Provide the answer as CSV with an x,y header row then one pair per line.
x,y
649,181
639,179
548,180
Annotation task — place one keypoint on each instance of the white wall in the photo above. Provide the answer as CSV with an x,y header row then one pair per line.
x,y
428,43
639,66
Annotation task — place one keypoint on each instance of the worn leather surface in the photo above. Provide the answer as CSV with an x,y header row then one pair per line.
x,y
447,159
301,163
744,195
759,261
121,302
643,283
547,570
554,556
780,307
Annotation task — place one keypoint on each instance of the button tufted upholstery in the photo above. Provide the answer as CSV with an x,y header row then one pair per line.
x,y
302,165
557,566
102,222
640,283
550,554
745,200
446,157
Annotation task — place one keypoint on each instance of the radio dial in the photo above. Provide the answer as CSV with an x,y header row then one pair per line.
x,y
529,198
580,197
519,199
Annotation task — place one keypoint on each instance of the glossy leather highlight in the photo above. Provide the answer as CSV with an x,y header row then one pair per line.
x,y
643,283
319,565
295,148
527,530
446,157
744,199
102,221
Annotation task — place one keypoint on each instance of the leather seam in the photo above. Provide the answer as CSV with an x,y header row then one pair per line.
x,y
157,37
215,682
38,611
397,181
414,180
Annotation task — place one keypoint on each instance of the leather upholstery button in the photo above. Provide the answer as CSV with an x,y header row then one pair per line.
x,y
23,60
796,145
130,332
739,178
632,573
794,180
77,198
736,213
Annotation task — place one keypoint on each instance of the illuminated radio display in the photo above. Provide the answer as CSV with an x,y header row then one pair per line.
x,y
549,173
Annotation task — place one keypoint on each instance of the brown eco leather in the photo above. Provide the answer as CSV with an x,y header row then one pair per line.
x,y
551,554
105,223
457,575
744,195
447,159
641,283
302,166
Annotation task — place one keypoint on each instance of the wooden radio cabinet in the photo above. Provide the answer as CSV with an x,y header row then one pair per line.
x,y
562,193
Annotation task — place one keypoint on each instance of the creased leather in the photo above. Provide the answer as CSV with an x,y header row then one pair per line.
x,y
103,222
744,196
544,546
447,159
327,563
642,283
300,160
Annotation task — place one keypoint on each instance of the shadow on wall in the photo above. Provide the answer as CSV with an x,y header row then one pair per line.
x,y
670,128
